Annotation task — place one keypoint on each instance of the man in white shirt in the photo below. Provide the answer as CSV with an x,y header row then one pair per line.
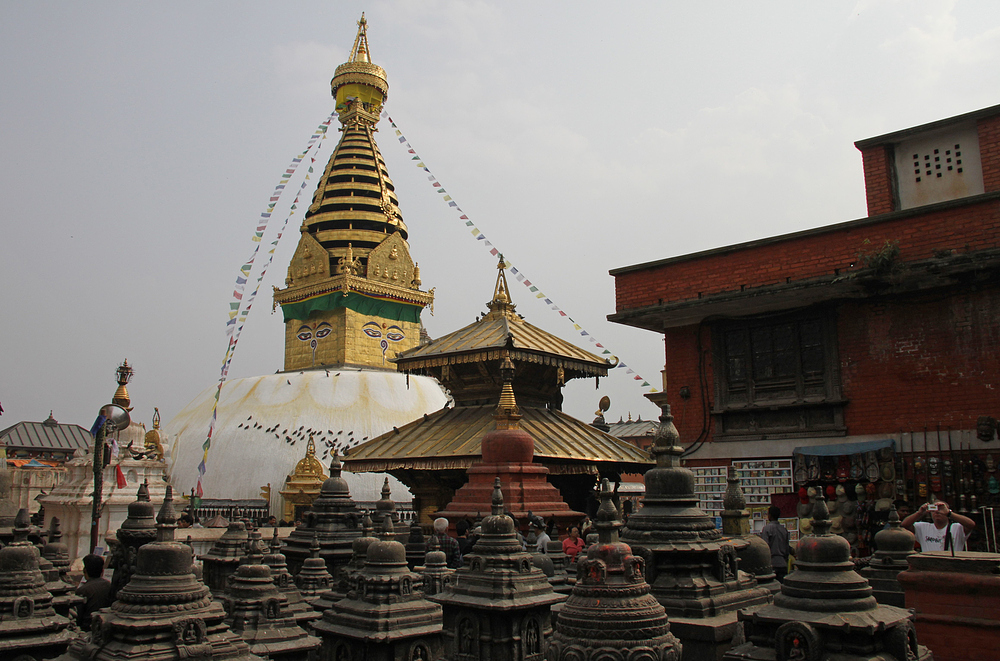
x,y
542,543
946,531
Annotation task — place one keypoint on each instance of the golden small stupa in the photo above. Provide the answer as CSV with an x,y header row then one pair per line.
x,y
303,485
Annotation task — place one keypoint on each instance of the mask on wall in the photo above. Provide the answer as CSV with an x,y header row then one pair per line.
x,y
312,334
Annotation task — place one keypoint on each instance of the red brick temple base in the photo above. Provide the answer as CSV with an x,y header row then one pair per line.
x,y
957,603
508,454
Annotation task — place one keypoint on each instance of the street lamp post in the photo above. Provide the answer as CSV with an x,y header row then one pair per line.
x,y
112,418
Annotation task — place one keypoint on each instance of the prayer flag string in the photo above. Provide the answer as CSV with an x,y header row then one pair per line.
x,y
239,308
515,271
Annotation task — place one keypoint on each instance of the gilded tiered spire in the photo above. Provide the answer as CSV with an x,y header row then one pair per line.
x,y
352,294
501,303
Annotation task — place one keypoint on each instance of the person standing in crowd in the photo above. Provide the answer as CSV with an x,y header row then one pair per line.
x,y
464,543
542,540
573,544
447,543
946,530
776,536
95,590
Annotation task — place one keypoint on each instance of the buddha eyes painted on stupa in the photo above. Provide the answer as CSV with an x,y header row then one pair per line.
x,y
393,333
320,331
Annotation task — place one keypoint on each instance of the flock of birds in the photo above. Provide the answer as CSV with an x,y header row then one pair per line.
x,y
328,440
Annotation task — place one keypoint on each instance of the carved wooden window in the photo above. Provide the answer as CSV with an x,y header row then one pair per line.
x,y
777,376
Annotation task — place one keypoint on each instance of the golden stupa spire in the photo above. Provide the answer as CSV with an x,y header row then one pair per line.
x,y
352,295
501,302
507,414
359,52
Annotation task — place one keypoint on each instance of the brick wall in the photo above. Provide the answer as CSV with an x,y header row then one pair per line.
x,y
989,152
877,163
975,226
905,364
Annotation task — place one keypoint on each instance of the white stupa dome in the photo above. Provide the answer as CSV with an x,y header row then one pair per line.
x,y
264,423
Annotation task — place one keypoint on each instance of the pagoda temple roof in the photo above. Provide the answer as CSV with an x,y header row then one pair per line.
x,y
502,328
451,437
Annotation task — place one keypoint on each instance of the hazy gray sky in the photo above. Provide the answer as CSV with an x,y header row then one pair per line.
x,y
141,141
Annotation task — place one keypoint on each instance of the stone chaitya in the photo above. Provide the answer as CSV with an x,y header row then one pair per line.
x,y
297,606
225,557
416,545
826,610
437,575
692,569
29,626
333,519
385,614
755,557
341,583
313,579
164,612
499,604
53,562
894,545
610,607
138,528
258,611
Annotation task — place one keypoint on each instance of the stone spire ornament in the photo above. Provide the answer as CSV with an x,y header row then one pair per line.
x,y
29,626
755,557
342,582
826,609
385,615
499,604
313,579
163,612
258,612
385,506
895,545
333,520
416,545
693,570
138,528
297,606
611,607
63,596
438,577
225,556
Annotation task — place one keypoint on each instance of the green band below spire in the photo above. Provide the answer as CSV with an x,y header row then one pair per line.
x,y
374,307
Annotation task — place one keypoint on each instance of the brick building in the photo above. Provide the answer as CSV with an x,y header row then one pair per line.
x,y
884,327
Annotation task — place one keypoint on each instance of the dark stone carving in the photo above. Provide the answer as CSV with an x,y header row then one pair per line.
x,y
895,545
692,568
163,612
416,546
221,562
826,609
29,625
313,579
384,616
342,581
333,519
610,607
258,611
138,528
495,594
297,606
437,576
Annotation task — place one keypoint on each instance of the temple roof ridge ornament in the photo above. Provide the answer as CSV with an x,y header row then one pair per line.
x,y
501,304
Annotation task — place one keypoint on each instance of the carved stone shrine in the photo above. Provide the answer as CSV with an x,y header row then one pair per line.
x,y
313,579
342,580
755,557
333,519
138,528
164,612
611,607
297,606
894,545
437,576
691,567
499,604
29,626
385,615
226,555
258,611
826,610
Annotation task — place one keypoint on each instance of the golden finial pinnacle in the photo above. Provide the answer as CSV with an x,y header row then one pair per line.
x,y
507,413
359,52
501,292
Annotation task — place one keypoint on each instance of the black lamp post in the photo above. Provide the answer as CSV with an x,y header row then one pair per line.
x,y
115,418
